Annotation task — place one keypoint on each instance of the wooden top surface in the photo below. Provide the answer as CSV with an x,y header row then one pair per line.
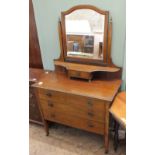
x,y
105,90
84,67
118,108
35,74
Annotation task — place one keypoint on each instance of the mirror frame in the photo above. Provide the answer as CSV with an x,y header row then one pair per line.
x,y
64,43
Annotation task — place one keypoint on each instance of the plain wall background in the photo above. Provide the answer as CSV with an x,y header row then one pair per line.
x,y
48,12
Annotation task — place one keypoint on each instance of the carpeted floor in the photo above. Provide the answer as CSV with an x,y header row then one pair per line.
x,y
64,140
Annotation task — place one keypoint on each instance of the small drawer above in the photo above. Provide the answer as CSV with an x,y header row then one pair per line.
x,y
80,74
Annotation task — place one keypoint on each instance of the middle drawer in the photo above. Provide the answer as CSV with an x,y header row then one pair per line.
x,y
72,109
76,101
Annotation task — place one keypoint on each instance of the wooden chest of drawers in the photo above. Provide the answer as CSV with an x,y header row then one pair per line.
x,y
71,109
76,103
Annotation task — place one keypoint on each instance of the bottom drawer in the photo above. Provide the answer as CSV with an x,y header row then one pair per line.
x,y
76,122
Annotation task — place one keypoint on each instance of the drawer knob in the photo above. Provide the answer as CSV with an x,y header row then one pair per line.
x,y
50,104
90,114
48,94
90,125
90,103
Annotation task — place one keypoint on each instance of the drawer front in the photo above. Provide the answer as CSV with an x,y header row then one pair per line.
x,y
51,95
79,74
75,105
73,100
85,103
72,110
76,122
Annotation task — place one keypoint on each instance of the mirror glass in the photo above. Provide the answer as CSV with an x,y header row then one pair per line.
x,y
85,34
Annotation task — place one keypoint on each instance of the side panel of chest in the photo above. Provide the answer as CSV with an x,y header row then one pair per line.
x,y
34,113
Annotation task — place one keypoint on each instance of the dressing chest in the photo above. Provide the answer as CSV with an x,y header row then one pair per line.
x,y
80,91
76,103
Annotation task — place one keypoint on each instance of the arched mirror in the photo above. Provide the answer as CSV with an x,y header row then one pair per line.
x,y
85,40
85,33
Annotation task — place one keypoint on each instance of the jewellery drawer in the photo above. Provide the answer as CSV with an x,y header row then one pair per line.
x,y
76,122
79,74
72,109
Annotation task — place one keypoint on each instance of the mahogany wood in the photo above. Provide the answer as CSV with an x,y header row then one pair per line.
x,y
34,113
76,103
84,71
118,108
85,68
61,41
73,121
74,67
35,60
99,89
109,61
106,129
45,123
82,108
80,74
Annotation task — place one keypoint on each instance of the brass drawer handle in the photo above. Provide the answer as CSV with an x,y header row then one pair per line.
x,y
90,125
90,114
48,94
50,104
90,103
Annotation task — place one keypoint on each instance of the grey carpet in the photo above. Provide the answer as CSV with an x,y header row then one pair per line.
x,y
64,140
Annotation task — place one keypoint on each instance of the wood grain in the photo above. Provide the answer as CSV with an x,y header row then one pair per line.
x,y
85,68
76,122
76,103
34,48
89,114
99,89
76,106
34,112
118,108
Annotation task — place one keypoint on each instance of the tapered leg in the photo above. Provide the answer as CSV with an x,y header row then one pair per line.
x,y
106,142
106,129
46,125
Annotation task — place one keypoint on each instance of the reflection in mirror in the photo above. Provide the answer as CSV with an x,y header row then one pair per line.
x,y
85,33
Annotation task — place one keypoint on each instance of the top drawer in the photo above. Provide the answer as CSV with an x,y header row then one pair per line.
x,y
86,103
76,101
51,95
